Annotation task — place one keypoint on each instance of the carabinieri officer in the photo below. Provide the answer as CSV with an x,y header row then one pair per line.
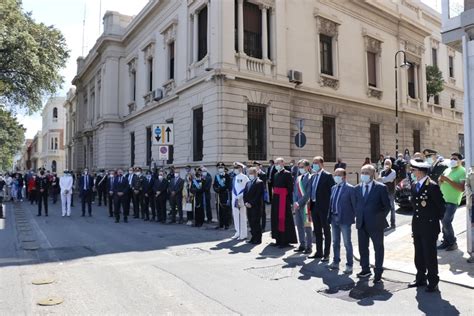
x,y
429,207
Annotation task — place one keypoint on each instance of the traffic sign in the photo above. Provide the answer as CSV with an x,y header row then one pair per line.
x,y
300,124
300,140
163,153
163,134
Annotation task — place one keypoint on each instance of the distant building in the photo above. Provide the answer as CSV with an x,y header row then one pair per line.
x,y
24,161
70,111
234,76
35,152
52,134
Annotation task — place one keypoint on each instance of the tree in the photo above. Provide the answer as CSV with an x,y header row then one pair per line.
x,y
434,81
12,136
31,56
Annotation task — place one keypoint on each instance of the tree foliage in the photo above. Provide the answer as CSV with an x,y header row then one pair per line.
x,y
12,136
434,81
31,56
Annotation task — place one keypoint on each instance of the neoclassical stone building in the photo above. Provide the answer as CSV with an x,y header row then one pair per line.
x,y
234,76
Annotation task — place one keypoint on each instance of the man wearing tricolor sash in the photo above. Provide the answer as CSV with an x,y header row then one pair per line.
x,y
239,211
283,227
301,209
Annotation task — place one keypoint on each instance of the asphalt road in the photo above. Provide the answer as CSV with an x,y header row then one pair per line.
x,y
103,268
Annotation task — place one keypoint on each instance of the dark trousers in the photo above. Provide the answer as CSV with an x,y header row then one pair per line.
x,y
111,204
72,198
254,216
54,195
426,259
102,193
86,198
376,237
120,202
322,232
1,206
208,205
32,196
176,204
270,192
136,204
148,202
199,214
42,199
263,217
225,215
160,205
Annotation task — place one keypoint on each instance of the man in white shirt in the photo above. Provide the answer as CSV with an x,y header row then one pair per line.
x,y
387,177
65,184
239,210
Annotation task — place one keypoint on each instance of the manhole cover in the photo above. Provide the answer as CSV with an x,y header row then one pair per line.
x,y
27,245
273,273
42,281
50,301
363,290
189,252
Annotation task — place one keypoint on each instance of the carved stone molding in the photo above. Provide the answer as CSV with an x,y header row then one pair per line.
x,y
328,81
415,49
169,32
168,86
374,93
434,43
327,27
149,51
132,65
373,45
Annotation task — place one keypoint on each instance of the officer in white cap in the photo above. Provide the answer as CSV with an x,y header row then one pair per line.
x,y
239,210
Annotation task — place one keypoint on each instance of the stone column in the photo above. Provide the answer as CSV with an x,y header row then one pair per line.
x,y
195,36
240,25
417,87
208,27
264,33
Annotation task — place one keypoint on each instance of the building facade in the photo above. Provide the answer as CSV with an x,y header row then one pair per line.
x,y
234,77
24,160
70,112
52,135
36,151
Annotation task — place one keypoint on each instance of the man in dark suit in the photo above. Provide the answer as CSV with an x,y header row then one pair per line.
x,y
223,188
42,187
101,186
160,188
262,176
372,202
270,173
321,184
341,217
110,191
86,184
340,164
253,201
301,207
148,199
206,176
121,190
137,193
429,208
175,191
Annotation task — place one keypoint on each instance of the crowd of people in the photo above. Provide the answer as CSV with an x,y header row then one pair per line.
x,y
310,206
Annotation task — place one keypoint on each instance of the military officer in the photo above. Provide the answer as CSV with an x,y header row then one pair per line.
x,y
42,185
239,211
223,187
148,200
437,165
429,207
101,186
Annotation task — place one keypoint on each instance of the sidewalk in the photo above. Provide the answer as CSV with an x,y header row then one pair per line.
x,y
453,267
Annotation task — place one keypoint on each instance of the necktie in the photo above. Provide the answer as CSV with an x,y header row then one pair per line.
x,y
366,193
85,183
120,180
418,186
315,186
334,201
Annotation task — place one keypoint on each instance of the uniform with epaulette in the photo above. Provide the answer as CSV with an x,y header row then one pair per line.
x,y
428,206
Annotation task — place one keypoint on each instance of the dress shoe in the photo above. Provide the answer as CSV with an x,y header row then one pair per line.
x,y
308,251
333,266
325,259
256,242
117,221
417,284
348,270
299,249
226,227
125,220
377,278
431,289
452,247
47,216
442,246
316,255
90,214
364,274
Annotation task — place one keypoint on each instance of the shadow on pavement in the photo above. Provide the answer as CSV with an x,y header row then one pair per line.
x,y
434,304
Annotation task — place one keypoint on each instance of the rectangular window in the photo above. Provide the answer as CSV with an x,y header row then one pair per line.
x,y
197,134
451,66
461,143
436,99
202,33
256,133
171,60
453,103
170,148
150,74
411,81
148,142
132,148
252,30
371,69
134,86
374,142
325,51
416,141
329,138
434,57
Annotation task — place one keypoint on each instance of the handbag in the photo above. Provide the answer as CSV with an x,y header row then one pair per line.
x,y
188,207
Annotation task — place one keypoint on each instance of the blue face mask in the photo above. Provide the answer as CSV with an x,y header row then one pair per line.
x,y
251,177
365,178
316,167
337,179
278,167
413,177
302,171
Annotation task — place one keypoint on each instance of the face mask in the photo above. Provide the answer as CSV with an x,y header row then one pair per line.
x,y
365,178
221,171
251,177
237,171
111,175
176,175
315,167
137,173
86,172
429,160
42,173
160,177
413,177
130,171
453,163
387,167
204,173
302,171
337,179
148,176
278,167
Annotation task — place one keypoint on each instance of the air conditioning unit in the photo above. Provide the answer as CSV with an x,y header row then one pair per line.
x,y
295,76
157,94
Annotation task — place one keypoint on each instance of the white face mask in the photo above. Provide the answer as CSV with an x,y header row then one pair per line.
x,y
453,163
220,170
111,175
204,173
176,175
237,171
429,160
160,177
251,177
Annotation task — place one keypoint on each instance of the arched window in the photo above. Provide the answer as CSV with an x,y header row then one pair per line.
x,y
53,166
55,114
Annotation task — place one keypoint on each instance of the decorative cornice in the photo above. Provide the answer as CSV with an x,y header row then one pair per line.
x,y
327,27
374,93
373,45
328,81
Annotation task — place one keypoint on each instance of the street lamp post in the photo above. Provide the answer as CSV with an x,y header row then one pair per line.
x,y
405,65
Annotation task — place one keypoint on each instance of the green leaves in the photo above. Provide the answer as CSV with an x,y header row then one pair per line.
x,y
31,56
434,81
12,135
